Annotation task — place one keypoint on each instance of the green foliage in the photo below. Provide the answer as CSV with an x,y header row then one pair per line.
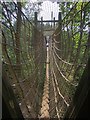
x,y
79,4
74,42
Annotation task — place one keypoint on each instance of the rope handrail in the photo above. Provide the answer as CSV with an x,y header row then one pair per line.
x,y
24,80
83,65
83,8
54,35
3,3
61,58
14,47
13,16
24,63
73,33
55,41
57,48
69,82
59,90
70,11
22,14
29,62
23,43
28,92
57,110
17,82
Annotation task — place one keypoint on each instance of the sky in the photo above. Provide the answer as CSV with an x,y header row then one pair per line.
x,y
47,8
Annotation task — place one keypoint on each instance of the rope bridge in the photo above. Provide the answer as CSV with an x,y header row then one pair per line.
x,y
69,52
44,79
24,59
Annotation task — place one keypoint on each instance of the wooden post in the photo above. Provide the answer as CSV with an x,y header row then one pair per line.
x,y
41,23
35,18
51,17
59,17
36,62
54,22
35,31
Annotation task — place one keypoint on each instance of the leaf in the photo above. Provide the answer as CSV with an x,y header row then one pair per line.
x,y
79,4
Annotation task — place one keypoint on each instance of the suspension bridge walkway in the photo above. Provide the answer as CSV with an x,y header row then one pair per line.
x,y
44,70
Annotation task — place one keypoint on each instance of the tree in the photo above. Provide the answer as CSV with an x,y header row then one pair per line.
x,y
32,7
18,31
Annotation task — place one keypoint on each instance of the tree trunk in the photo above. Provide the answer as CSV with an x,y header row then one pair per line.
x,y
18,31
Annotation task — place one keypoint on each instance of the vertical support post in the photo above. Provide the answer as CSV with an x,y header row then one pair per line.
x,y
59,17
35,18
36,53
54,22
41,23
51,17
60,36
34,30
